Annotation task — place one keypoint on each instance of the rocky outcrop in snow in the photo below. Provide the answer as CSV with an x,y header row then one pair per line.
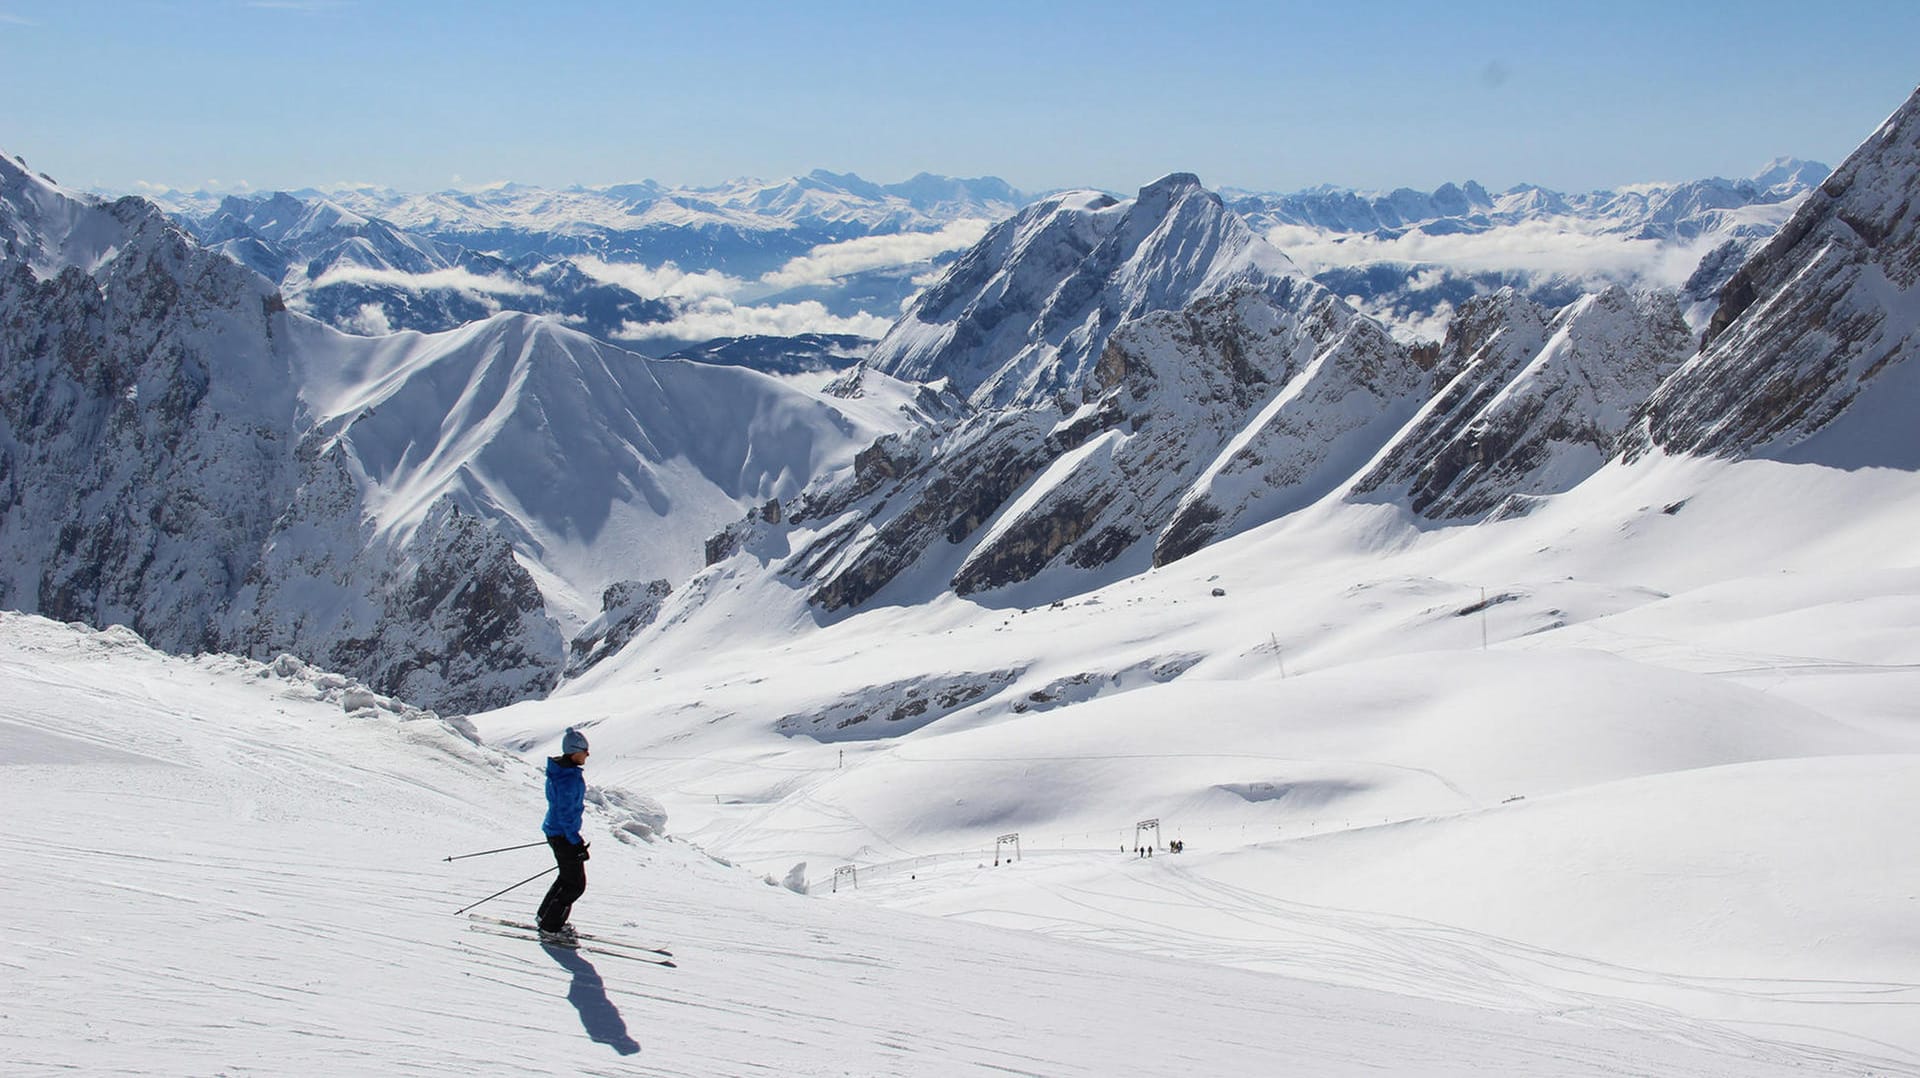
x,y
625,608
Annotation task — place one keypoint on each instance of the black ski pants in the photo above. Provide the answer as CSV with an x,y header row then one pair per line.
x,y
570,885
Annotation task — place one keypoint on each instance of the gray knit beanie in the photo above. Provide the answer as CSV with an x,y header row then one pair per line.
x,y
573,742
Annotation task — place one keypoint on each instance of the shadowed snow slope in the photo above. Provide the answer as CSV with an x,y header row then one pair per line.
x,y
213,866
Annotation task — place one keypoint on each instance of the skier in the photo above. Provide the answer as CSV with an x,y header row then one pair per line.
x,y
566,799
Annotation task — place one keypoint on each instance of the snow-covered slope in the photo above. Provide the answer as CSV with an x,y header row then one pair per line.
x,y
1811,353
1642,749
219,866
1627,797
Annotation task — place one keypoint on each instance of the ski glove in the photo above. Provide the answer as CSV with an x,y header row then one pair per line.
x,y
580,851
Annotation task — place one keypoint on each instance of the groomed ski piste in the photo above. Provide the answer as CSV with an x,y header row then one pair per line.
x,y
1648,810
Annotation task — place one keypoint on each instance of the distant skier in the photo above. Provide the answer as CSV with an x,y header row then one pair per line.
x,y
566,800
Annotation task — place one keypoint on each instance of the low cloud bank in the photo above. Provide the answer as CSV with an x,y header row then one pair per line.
x,y
1556,246
717,316
831,261
454,279
665,281
712,304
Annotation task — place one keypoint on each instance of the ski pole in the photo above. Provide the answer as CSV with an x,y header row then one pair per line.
x,y
503,849
504,890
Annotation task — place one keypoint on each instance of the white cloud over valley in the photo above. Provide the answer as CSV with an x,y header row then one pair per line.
x,y
454,279
666,280
830,261
712,304
1556,246
717,316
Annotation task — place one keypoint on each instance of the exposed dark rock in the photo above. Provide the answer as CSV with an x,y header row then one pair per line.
x,y
1809,324
895,708
625,609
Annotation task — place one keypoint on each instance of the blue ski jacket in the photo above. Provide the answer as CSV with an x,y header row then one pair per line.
x,y
566,799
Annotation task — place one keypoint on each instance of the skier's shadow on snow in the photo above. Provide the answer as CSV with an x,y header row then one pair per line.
x,y
588,994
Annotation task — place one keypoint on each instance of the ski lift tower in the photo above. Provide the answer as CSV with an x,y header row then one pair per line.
x,y
1152,825
1003,841
848,873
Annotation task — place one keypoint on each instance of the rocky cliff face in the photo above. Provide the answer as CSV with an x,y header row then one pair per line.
x,y
1354,388
1529,401
625,608
159,473
1194,424
146,413
1810,353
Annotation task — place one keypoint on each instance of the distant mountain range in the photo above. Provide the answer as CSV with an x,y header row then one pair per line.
x,y
662,268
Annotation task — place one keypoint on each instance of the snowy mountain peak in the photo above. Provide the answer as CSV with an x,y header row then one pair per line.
x,y
1024,314
1790,173
1170,186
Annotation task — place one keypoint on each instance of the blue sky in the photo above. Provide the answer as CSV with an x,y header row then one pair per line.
x,y
433,93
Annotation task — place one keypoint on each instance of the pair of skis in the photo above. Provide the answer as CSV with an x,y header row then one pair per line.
x,y
589,943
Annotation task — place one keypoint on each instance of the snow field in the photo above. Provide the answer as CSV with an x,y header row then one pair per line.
x,y
213,868
1669,794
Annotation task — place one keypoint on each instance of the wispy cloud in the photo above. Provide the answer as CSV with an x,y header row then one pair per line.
x,y
452,279
662,281
834,260
716,316
16,20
